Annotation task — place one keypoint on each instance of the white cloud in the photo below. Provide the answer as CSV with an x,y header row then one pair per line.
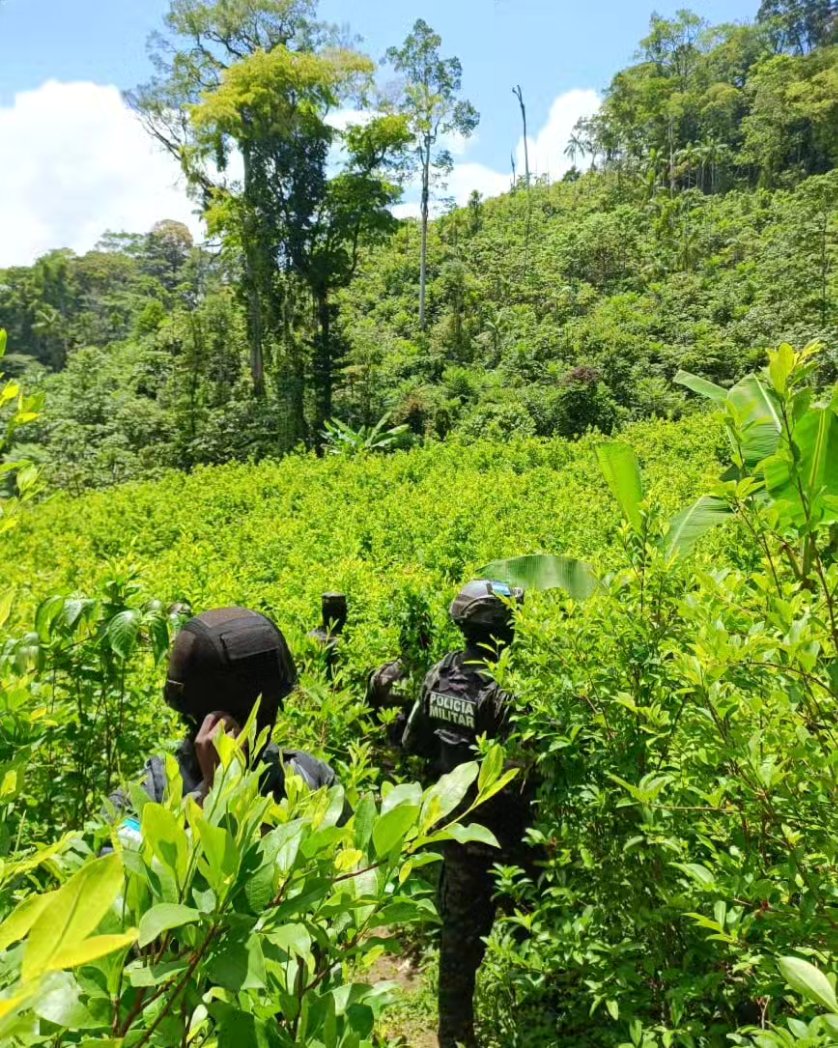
x,y
77,162
547,156
547,149
468,177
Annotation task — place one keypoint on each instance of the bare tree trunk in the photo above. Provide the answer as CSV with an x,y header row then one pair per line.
x,y
426,204
255,333
520,96
323,365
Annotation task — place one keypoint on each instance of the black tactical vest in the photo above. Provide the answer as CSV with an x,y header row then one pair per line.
x,y
460,703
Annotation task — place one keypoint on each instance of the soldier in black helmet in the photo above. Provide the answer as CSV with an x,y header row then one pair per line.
x,y
221,663
460,701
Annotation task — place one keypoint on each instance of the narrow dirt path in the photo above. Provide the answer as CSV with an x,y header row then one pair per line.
x,y
411,1024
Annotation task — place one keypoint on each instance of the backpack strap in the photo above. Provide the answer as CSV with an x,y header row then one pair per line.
x,y
155,780
314,773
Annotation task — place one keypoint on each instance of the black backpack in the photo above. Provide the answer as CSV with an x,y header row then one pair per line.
x,y
315,773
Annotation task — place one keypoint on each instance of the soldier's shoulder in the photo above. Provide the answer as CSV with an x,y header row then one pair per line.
x,y
315,772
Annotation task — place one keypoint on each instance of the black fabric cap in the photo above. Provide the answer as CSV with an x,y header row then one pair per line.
x,y
225,660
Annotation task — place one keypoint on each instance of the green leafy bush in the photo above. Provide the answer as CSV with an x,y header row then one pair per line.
x,y
238,922
684,720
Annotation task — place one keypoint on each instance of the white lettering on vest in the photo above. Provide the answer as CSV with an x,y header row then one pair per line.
x,y
452,710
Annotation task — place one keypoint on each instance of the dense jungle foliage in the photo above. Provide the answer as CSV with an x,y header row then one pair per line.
x,y
680,721
699,229
541,418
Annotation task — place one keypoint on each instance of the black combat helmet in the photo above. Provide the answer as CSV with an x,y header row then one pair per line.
x,y
481,609
224,660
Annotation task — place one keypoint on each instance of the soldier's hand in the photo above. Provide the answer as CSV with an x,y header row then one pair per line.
x,y
205,751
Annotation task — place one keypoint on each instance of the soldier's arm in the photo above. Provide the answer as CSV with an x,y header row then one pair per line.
x,y
418,738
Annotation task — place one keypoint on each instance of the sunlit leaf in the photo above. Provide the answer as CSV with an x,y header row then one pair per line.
x,y
808,980
702,386
542,571
74,911
162,918
621,470
693,522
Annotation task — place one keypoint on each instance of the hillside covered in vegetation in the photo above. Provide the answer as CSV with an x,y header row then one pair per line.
x,y
699,229
618,391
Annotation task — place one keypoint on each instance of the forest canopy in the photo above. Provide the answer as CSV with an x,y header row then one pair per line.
x,y
696,229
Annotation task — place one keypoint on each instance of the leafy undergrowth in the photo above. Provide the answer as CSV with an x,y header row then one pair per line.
x,y
681,723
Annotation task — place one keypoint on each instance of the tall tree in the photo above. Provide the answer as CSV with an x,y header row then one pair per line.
x,y
204,40
429,101
310,194
801,25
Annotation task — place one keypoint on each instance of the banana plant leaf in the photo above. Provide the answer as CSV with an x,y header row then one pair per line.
x,y
692,522
704,387
758,419
543,571
621,469
816,441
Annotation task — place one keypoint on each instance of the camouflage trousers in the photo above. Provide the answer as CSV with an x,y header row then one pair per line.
x,y
467,910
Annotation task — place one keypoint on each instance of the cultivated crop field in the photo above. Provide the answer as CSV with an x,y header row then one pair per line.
x,y
679,722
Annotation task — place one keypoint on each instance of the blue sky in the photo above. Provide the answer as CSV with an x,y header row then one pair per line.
x,y
560,52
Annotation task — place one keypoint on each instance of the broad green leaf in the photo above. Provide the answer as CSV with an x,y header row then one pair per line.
x,y
444,796
166,837
74,912
163,918
809,981
499,784
390,829
758,420
48,611
473,833
18,923
3,337
59,1002
780,367
698,872
491,766
220,851
363,821
122,632
702,386
688,526
238,963
543,571
621,469
294,939
416,862
410,792
816,438
77,954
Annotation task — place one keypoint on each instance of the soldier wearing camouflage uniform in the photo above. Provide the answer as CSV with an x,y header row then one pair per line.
x,y
459,701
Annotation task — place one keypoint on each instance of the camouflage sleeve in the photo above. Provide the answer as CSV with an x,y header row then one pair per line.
x,y
382,686
495,721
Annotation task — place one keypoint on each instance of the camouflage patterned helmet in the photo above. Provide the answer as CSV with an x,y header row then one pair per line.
x,y
483,605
